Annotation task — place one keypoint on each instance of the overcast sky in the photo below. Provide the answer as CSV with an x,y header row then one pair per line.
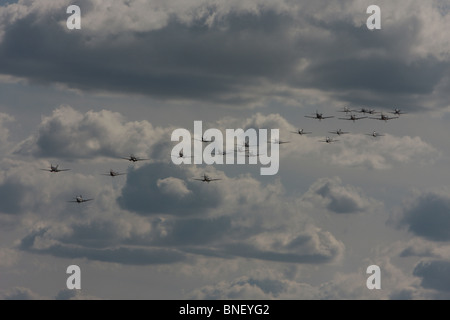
x,y
137,70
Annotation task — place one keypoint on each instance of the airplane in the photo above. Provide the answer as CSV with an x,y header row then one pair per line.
x,y
300,132
384,118
369,111
55,169
206,178
246,144
338,132
79,199
221,153
353,118
277,141
113,173
328,140
346,110
398,112
181,155
374,134
204,140
249,154
134,159
319,116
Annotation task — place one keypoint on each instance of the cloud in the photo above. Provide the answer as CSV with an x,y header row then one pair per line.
x,y
20,293
383,153
119,254
67,294
434,274
271,284
426,215
173,186
311,247
419,247
225,53
161,195
255,288
28,189
69,134
166,217
8,257
5,144
337,198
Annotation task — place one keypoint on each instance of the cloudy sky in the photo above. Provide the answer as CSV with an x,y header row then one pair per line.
x,y
137,70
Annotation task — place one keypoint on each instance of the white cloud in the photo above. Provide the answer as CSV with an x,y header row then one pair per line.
x,y
384,153
70,134
174,186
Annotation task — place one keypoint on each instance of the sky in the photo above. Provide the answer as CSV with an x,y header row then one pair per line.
x,y
138,70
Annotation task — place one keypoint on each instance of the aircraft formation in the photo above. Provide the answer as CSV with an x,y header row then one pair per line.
x,y
79,199
244,147
351,116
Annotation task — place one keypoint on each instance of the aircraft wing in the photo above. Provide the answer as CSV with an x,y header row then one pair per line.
x,y
86,200
328,117
63,170
312,117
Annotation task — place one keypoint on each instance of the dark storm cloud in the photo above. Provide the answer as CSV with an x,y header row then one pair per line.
x,y
379,75
428,216
177,61
176,193
435,274
219,61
